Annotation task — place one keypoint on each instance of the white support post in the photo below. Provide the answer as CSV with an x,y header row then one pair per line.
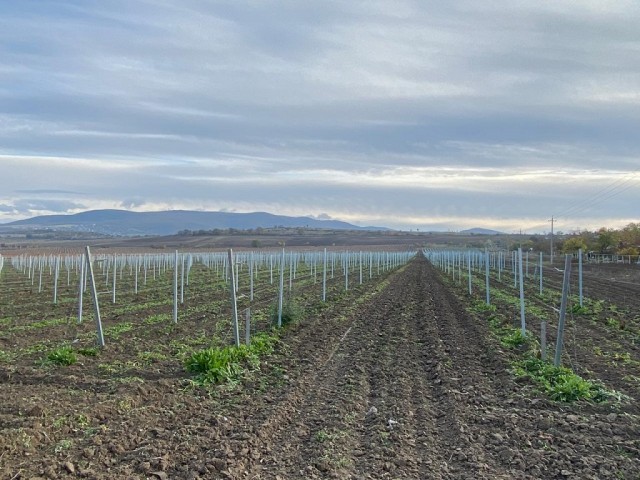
x,y
55,281
81,289
469,267
234,301
324,276
523,323
281,295
94,294
486,268
580,275
115,276
563,310
182,281
175,288
540,270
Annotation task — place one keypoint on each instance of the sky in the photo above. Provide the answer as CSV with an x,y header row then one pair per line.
x,y
409,114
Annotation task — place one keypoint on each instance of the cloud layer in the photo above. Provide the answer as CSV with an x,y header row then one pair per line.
x,y
403,114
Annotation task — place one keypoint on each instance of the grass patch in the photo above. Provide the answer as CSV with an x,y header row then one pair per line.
x,y
117,367
159,318
52,322
221,365
152,357
114,332
62,356
36,348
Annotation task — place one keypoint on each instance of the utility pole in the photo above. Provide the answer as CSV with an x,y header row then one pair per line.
x,y
551,251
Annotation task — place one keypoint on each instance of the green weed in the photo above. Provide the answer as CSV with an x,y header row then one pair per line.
x,y
151,357
62,356
578,310
116,331
291,313
63,445
36,348
5,357
612,322
118,367
560,383
480,307
513,339
159,318
221,365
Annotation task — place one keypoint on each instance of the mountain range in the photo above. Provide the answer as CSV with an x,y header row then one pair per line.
x,y
127,223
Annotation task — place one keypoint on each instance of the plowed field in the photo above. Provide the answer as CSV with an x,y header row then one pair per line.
x,y
397,381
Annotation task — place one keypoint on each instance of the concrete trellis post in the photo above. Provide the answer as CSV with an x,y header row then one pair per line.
x,y
94,294
486,267
234,301
523,323
563,309
175,288
281,295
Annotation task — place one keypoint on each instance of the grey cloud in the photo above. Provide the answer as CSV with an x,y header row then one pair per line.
x,y
131,203
7,208
44,191
30,205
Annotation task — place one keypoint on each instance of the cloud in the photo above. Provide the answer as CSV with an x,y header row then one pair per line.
x,y
132,203
44,191
38,206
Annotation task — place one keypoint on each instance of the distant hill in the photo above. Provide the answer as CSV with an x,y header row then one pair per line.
x,y
126,223
481,231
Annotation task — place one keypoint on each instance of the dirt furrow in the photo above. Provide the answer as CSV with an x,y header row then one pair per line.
x,y
314,436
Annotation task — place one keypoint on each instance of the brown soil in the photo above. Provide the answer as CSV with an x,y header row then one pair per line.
x,y
401,384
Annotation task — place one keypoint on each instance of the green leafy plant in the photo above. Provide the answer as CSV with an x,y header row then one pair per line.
x,y
5,357
480,307
578,310
62,356
513,339
219,365
560,383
